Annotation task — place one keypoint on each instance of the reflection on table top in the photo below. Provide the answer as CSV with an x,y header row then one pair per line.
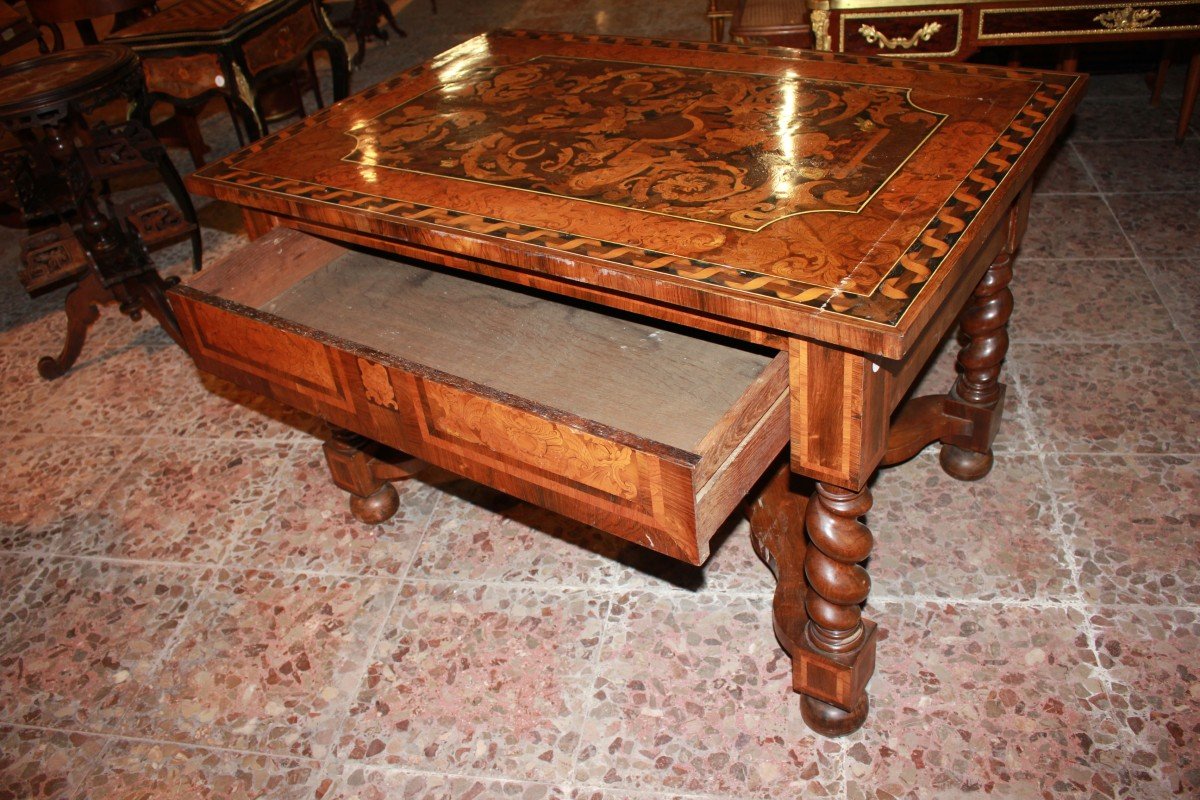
x,y
808,180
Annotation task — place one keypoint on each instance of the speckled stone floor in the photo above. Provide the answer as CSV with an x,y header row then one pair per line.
x,y
188,611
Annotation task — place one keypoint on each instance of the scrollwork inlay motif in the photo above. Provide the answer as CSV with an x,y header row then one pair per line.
x,y
655,138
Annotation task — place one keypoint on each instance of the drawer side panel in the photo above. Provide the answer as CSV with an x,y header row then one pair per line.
x,y
628,491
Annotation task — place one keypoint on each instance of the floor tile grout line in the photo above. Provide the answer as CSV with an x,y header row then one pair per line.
x,y
1162,299
397,770
188,745
277,488
1137,253
1149,274
27,583
590,704
1037,259
662,588
155,669
343,722
1152,193
1112,212
1178,338
1086,609
1087,170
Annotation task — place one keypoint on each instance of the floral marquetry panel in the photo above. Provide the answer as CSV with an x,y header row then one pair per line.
x,y
656,138
776,187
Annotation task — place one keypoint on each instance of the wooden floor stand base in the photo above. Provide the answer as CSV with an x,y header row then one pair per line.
x,y
133,296
366,470
831,662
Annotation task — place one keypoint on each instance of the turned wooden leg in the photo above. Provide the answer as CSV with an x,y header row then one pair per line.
x,y
82,311
821,586
1191,90
362,468
385,9
1160,76
840,658
978,392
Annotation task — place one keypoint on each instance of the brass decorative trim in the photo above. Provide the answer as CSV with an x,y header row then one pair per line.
x,y
1128,18
1028,34
884,42
958,29
929,6
819,19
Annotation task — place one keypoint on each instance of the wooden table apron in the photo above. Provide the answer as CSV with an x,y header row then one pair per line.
x,y
845,210
196,49
958,29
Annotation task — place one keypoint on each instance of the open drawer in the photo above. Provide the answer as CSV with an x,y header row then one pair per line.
x,y
651,434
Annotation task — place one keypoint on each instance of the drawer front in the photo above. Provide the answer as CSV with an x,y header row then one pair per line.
x,y
639,490
282,42
918,34
182,77
1053,21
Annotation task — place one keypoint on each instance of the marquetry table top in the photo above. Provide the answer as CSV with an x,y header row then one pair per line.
x,y
197,19
800,184
27,86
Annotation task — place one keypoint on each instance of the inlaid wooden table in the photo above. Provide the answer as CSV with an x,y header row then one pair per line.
x,y
619,277
198,49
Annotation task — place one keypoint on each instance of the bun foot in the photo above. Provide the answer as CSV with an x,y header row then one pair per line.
x,y
827,720
965,465
49,368
377,507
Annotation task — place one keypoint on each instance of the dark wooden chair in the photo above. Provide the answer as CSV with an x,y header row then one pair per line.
x,y
52,14
720,12
1190,90
16,31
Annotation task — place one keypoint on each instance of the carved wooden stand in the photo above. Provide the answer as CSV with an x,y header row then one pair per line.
x,y
821,583
364,23
62,172
366,469
143,292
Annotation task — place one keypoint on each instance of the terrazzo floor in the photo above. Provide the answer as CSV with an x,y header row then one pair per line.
x,y
188,611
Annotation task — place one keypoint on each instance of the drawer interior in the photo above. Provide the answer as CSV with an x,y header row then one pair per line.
x,y
645,430
659,383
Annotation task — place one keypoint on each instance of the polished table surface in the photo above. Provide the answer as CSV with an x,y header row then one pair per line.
x,y
842,211
815,195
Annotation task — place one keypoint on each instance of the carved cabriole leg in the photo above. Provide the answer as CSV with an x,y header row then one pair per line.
x,y
978,388
820,589
82,311
359,466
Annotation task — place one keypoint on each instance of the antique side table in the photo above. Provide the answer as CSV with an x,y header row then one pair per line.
x,y
53,13
199,49
957,29
59,175
619,277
